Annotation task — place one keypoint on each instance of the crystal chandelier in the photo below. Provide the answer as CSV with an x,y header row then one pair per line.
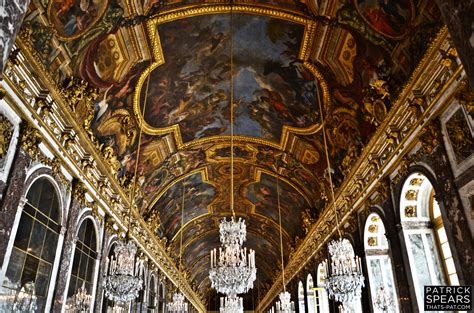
x,y
233,268
344,275
383,300
178,305
124,280
345,279
81,301
231,304
25,300
285,305
232,233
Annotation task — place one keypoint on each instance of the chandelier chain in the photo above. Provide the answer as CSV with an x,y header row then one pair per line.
x,y
281,236
135,171
326,152
181,230
231,115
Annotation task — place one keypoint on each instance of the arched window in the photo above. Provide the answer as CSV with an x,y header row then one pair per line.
x,y
310,296
152,295
322,294
378,261
85,256
301,298
429,253
161,298
36,242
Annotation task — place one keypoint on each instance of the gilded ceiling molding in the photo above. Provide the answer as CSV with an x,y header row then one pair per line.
x,y
46,108
432,81
205,177
159,59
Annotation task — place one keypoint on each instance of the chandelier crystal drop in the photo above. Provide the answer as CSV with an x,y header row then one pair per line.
x,y
233,268
232,304
345,279
232,233
384,300
124,280
178,305
81,301
285,305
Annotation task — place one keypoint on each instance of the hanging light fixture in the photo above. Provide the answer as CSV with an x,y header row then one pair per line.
x,y
231,304
81,301
123,282
285,305
233,268
384,300
344,279
179,305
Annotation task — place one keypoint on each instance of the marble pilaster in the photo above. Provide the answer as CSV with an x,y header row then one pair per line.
x,y
65,264
393,232
457,16
12,13
455,222
12,198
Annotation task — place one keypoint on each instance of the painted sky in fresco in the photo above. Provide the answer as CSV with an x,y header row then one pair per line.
x,y
197,196
192,88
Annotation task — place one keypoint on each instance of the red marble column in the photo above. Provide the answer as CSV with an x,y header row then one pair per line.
x,y
12,197
66,261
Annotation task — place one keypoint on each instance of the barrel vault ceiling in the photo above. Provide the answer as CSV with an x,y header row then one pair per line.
x,y
163,71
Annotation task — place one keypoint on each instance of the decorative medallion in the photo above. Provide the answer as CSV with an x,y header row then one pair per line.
x,y
416,181
410,211
390,18
411,195
73,18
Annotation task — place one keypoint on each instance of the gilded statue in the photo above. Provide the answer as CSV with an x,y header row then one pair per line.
x,y
6,131
122,126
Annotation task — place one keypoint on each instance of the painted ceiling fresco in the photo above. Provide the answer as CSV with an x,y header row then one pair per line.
x,y
167,63
271,87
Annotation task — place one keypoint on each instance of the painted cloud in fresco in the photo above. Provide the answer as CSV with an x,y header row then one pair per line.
x,y
271,87
197,196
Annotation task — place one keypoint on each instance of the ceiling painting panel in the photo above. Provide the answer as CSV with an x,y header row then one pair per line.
x,y
198,194
389,18
274,89
263,196
71,19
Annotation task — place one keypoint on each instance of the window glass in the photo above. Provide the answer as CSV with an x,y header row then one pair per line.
x,y
35,245
84,260
379,266
426,240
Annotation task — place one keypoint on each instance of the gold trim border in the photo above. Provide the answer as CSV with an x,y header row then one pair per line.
x,y
159,59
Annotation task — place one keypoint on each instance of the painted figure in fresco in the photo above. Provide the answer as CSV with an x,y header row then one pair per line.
x,y
75,16
192,88
263,195
389,17
198,195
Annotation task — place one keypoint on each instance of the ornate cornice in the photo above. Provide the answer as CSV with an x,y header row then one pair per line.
x,y
59,117
427,92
